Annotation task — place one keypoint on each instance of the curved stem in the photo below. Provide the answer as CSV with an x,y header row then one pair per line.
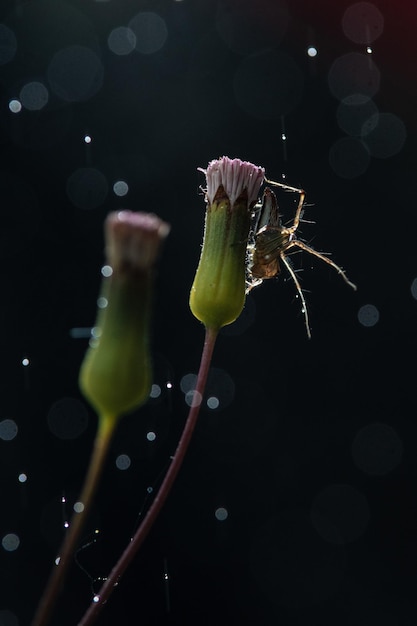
x,y
57,577
143,530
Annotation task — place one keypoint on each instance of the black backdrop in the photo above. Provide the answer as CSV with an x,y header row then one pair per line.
x,y
297,501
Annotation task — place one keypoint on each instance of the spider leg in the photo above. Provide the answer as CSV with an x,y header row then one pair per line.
x,y
300,292
304,246
302,193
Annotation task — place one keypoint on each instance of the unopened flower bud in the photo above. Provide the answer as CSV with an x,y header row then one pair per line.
x,y
218,292
116,373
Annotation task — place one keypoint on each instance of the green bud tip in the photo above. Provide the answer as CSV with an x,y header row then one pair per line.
x,y
218,292
116,373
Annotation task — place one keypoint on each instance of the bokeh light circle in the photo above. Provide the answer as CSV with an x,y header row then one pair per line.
x,y
377,449
8,44
122,40
150,31
67,418
123,462
34,96
75,73
349,157
363,22
268,85
354,73
10,542
356,116
87,188
368,315
385,135
8,429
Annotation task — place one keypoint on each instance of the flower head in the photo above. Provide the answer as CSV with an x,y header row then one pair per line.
x,y
218,292
116,372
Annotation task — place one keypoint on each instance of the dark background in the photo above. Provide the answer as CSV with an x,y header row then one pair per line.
x,y
312,450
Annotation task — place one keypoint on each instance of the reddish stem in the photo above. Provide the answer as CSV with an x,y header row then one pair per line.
x,y
130,551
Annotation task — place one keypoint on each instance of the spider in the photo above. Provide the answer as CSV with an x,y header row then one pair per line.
x,y
270,242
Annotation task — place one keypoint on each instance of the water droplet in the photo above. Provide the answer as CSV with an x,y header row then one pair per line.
x,y
312,51
15,106
106,271
22,477
169,385
25,362
120,188
96,598
213,402
151,436
78,507
221,514
57,560
102,302
87,139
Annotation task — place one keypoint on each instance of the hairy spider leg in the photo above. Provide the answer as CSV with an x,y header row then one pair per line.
x,y
304,246
300,292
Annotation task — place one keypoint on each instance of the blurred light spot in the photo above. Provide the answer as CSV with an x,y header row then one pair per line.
x,y
150,31
57,560
340,513
75,73
169,385
25,362
67,418
78,507
155,391
362,22
213,402
357,118
22,479
268,85
221,514
149,489
8,618
193,398
349,157
106,271
15,106
96,332
102,302
8,44
8,429
122,40
123,462
188,382
34,96
413,288
87,139
387,135
368,315
120,188
354,73
87,188
150,436
66,524
312,51
63,499
10,542
377,449
80,333
369,50
96,599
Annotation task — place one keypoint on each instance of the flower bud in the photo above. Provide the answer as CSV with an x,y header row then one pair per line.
x,y
218,292
116,373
